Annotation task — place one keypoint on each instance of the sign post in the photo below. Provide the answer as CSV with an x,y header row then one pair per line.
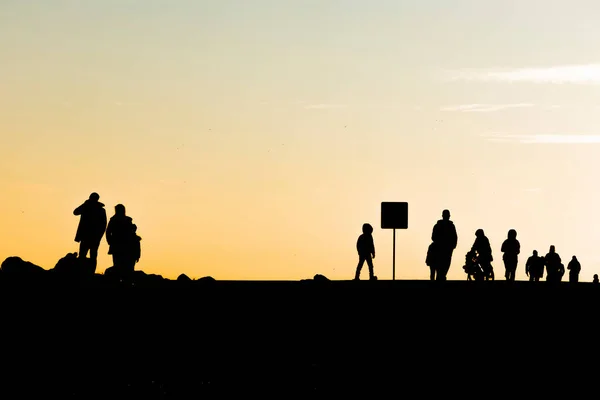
x,y
394,215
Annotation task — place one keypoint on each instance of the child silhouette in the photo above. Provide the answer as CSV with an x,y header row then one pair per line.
x,y
366,251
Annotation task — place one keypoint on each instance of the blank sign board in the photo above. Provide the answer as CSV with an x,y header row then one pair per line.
x,y
394,215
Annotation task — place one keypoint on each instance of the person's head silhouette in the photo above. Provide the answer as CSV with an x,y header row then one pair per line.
x,y
535,253
119,209
367,228
512,234
446,215
552,249
479,233
94,197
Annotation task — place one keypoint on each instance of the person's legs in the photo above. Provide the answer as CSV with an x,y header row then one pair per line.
x,y
512,268
370,265
83,248
361,261
94,250
119,261
444,266
94,253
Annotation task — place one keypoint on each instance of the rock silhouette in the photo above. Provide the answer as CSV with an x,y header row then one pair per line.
x,y
15,268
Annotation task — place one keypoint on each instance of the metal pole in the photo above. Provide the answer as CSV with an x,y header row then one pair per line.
x,y
394,258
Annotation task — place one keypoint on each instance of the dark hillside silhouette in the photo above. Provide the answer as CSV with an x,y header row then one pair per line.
x,y
186,338
69,332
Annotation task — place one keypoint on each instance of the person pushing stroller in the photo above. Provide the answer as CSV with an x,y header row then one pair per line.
x,y
484,254
472,267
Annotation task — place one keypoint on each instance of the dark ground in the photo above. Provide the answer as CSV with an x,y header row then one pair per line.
x,y
401,339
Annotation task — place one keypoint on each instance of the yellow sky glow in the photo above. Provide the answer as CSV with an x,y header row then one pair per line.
x,y
252,142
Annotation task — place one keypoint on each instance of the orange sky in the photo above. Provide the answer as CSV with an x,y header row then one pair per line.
x,y
252,142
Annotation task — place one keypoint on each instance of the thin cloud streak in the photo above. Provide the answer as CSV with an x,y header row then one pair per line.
x,y
324,106
542,139
561,74
485,107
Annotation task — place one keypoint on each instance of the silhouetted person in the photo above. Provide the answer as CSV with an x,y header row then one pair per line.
x,y
511,249
92,225
484,253
574,268
534,268
431,261
366,251
118,236
445,239
134,250
561,271
553,265
596,279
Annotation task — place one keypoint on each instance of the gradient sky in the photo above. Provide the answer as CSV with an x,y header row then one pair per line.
x,y
252,139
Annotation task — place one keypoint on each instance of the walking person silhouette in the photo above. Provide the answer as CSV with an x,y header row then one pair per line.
x,y
511,249
444,240
366,251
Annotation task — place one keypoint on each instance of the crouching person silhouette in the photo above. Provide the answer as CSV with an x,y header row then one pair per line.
x,y
366,251
92,225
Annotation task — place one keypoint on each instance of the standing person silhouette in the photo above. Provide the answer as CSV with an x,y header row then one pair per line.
x,y
134,249
118,237
574,268
92,224
553,265
534,267
445,238
366,251
511,249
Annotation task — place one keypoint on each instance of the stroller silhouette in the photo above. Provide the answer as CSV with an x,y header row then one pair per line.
x,y
472,267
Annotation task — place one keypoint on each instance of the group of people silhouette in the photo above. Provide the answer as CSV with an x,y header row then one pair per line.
x,y
125,248
121,234
478,260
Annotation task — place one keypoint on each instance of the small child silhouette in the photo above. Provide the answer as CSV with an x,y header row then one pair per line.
x,y
596,278
366,251
136,249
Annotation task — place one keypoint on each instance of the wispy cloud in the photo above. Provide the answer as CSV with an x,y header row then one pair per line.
x,y
561,74
324,106
485,107
542,139
119,103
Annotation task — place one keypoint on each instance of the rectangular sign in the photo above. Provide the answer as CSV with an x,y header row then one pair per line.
x,y
394,215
